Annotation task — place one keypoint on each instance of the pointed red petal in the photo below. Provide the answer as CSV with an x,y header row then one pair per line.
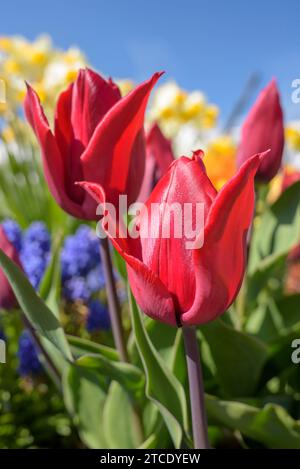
x,y
51,157
92,98
115,156
220,263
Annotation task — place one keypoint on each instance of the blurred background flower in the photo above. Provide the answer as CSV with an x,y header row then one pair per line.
x,y
45,67
29,363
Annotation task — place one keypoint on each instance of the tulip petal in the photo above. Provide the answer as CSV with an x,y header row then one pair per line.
x,y
70,148
160,148
149,292
220,263
159,156
92,98
114,154
185,187
63,129
51,157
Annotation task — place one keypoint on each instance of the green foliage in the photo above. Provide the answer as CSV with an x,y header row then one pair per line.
x,y
278,228
36,311
271,426
161,385
32,412
238,359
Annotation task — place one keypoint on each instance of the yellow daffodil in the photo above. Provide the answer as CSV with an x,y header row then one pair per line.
x,y
173,107
292,136
220,160
125,86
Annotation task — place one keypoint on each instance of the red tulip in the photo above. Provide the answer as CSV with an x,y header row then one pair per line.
x,y
98,136
181,286
263,130
7,297
159,156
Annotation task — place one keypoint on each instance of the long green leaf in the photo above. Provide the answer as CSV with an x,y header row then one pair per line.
x,y
85,394
119,419
272,425
238,358
39,315
161,385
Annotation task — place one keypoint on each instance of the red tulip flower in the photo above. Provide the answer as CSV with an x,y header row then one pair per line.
x,y
181,286
263,130
159,156
98,136
7,297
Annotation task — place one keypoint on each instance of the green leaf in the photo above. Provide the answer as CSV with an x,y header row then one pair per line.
x,y
161,385
119,419
238,358
278,229
81,347
120,264
289,308
85,394
126,374
162,337
51,281
271,426
178,360
265,322
39,315
266,278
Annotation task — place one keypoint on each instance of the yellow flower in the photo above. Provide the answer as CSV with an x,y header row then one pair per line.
x,y
275,188
48,69
210,115
172,107
5,43
71,75
293,137
168,101
40,90
220,160
194,105
11,66
38,57
125,86
20,95
7,134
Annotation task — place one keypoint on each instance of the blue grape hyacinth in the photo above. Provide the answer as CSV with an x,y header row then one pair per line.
x,y
95,279
80,253
29,363
76,288
98,317
13,233
81,265
35,252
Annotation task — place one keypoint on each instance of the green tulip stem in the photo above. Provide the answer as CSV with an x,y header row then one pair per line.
x,y
113,301
48,362
199,422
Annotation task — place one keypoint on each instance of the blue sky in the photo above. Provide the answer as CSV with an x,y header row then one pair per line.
x,y
210,45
